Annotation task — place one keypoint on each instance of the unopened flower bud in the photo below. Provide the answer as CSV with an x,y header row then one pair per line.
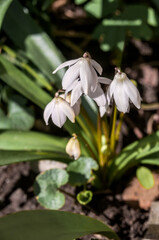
x,y
73,147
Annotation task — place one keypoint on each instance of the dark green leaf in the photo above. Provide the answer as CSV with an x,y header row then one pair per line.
x,y
49,224
9,156
18,117
4,4
145,177
84,197
34,41
46,188
80,170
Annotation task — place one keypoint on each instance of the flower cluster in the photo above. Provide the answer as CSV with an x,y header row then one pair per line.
x,y
83,77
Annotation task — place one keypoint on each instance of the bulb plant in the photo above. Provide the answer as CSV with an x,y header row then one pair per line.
x,y
113,98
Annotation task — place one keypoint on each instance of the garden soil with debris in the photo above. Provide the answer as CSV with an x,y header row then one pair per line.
x,y
16,194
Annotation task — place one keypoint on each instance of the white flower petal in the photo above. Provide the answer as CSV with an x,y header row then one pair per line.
x,y
88,77
68,111
71,86
58,117
76,107
111,90
121,98
71,75
104,80
98,96
102,110
132,93
97,66
76,93
48,110
65,64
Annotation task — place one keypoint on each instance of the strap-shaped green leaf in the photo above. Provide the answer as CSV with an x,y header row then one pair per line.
x,y
19,146
9,156
20,82
4,4
38,46
142,151
51,224
31,141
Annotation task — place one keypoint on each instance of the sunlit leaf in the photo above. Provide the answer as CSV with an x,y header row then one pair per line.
x,y
144,151
145,177
19,146
51,224
20,82
46,188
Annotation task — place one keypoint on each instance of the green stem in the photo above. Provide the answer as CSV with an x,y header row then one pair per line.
x,y
121,118
112,137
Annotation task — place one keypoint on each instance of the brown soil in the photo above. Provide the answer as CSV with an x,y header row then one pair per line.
x,y
16,194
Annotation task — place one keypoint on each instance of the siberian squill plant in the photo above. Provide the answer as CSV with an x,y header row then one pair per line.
x,y
84,78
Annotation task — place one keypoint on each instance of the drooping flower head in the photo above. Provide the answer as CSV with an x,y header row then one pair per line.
x,y
122,90
58,109
85,69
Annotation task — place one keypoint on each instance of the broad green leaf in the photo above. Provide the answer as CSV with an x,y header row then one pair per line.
x,y
84,197
19,116
20,82
39,48
13,156
31,141
51,224
134,154
145,177
80,170
4,4
46,188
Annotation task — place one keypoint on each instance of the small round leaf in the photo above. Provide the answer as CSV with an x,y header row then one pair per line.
x,y
145,177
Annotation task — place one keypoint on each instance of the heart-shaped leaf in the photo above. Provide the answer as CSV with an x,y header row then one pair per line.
x,y
46,188
80,170
84,197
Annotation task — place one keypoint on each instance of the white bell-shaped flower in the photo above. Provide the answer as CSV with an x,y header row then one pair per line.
x,y
76,105
83,68
58,109
73,147
122,90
